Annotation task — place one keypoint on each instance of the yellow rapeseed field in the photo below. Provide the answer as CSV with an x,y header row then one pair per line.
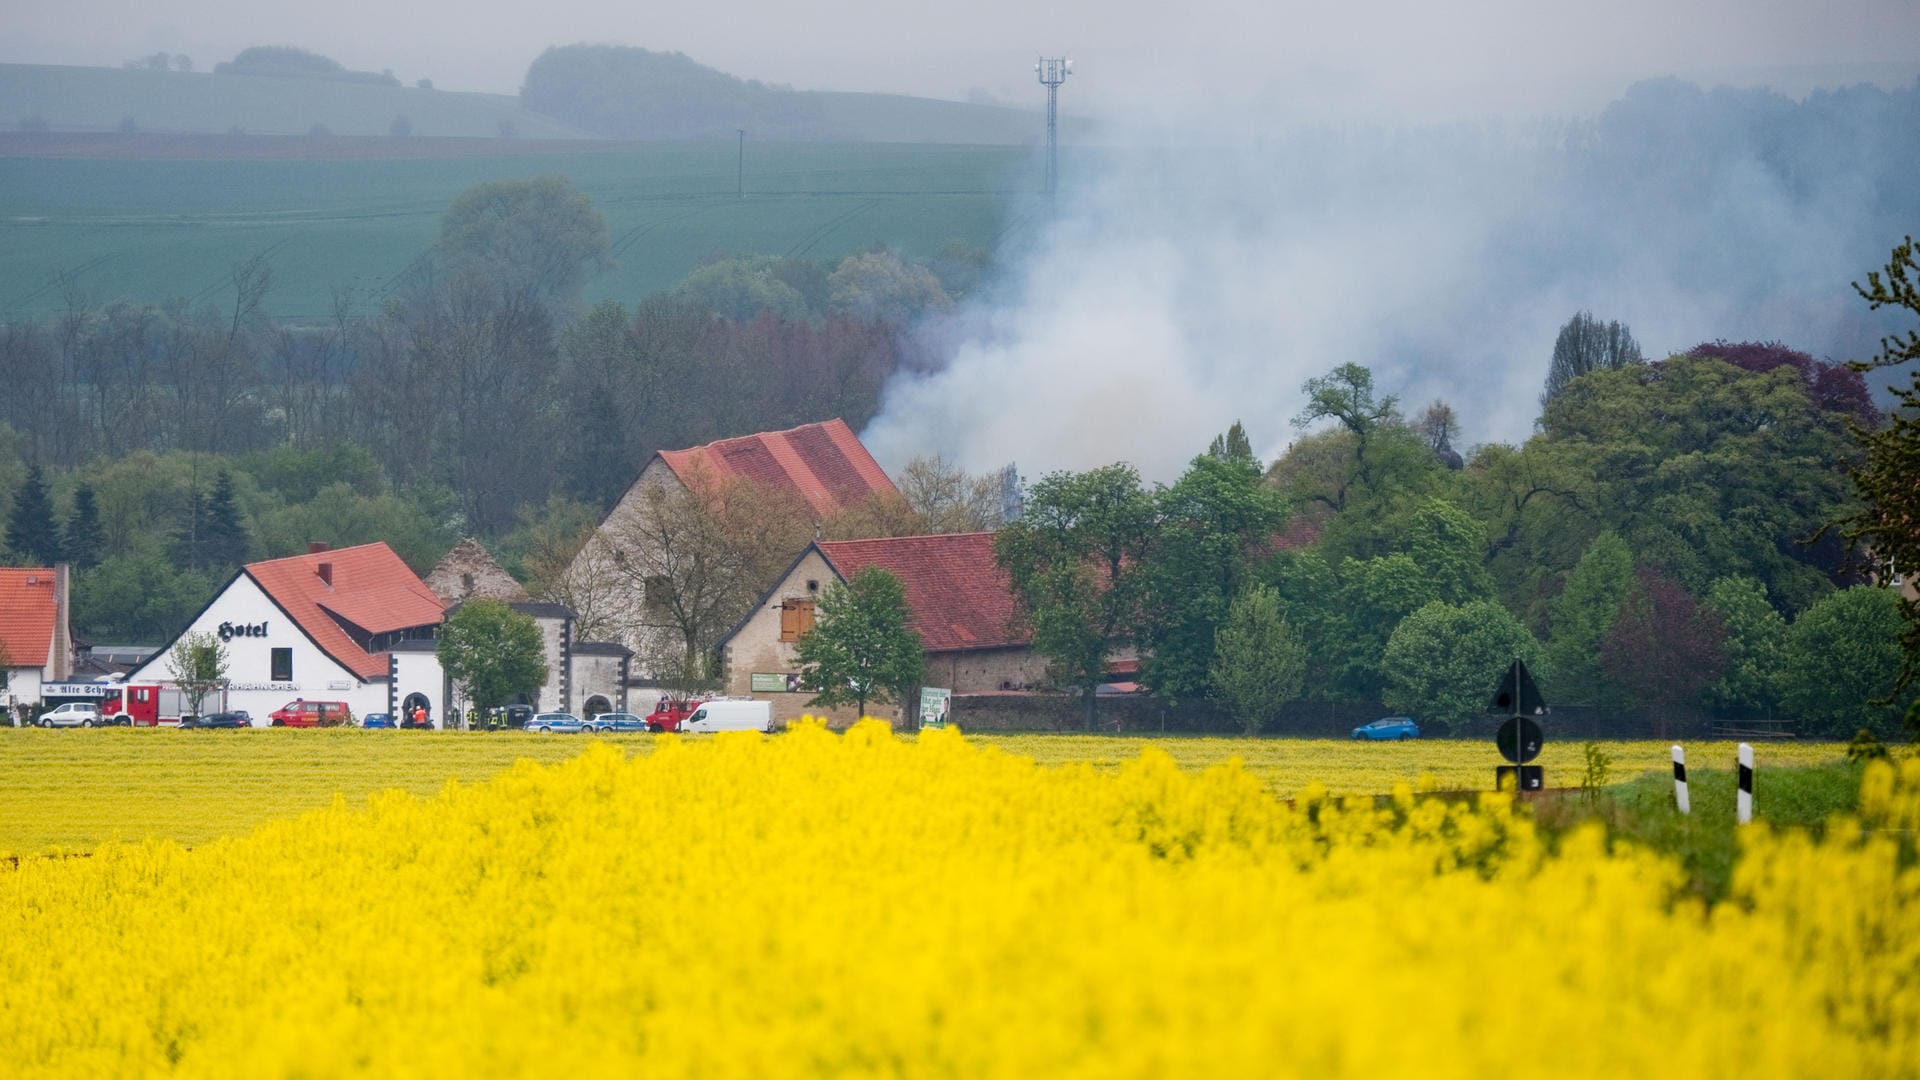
x,y
74,790
815,904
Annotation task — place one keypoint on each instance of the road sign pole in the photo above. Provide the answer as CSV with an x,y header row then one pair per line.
x,y
1743,802
1680,779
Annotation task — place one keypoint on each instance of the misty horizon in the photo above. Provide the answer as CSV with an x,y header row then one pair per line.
x,y
1498,57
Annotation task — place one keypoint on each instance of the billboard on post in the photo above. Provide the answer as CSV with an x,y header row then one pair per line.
x,y
935,704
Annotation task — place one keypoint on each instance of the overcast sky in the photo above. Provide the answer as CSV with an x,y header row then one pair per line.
x,y
1390,57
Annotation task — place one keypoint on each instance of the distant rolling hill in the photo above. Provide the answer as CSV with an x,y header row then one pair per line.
x,y
166,209
103,100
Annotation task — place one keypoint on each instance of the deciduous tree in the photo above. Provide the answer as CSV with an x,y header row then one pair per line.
x,y
1444,661
1585,345
1663,648
861,649
492,652
877,287
1755,645
1842,664
950,500
198,664
1209,528
691,561
1073,560
1581,617
1887,526
1707,470
1259,662
541,238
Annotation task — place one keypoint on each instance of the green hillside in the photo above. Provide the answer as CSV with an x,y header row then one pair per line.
x,y
622,92
895,118
101,99
146,230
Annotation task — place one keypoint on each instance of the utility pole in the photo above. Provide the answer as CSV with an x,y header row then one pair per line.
x,y
740,167
1053,70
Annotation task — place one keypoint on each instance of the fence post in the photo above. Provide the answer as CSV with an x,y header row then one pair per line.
x,y
1743,802
1680,780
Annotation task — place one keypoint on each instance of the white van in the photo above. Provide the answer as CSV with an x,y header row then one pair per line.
x,y
730,716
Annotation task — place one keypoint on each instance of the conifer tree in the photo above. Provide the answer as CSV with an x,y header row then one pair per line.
x,y
82,538
225,540
190,540
33,535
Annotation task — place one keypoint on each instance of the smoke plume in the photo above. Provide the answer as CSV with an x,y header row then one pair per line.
x,y
1176,286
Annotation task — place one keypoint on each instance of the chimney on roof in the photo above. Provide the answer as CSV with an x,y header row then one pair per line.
x,y
62,650
316,547
326,573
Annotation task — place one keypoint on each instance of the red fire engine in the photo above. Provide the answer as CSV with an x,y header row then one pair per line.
x,y
151,705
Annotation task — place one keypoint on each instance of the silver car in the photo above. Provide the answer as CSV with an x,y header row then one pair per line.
x,y
617,721
72,714
549,722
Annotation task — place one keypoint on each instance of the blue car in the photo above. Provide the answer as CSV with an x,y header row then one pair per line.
x,y
617,721
550,722
1391,727
377,719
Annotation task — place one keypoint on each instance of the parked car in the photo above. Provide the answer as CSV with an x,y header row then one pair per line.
x,y
617,721
377,720
505,716
550,722
302,713
72,714
730,715
1388,727
238,718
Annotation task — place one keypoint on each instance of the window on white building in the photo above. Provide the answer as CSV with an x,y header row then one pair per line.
x,y
282,665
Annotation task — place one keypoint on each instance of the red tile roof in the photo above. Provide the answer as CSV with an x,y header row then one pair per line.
x,y
825,463
372,589
957,597
27,615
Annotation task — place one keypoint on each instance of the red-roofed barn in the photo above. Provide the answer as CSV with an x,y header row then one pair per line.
x,y
822,464
958,601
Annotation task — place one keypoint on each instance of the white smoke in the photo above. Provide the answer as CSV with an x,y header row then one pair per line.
x,y
1178,288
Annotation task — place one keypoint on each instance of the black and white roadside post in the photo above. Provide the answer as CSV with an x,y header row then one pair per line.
x,y
1680,780
1520,738
1743,801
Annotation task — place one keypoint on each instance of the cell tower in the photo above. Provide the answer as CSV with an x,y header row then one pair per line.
x,y
1053,70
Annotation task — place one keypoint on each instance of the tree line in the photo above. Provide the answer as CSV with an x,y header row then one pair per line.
x,y
481,399
1661,543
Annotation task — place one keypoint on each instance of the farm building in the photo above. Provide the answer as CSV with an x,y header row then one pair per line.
x,y
470,571
36,637
353,625
321,626
958,601
620,581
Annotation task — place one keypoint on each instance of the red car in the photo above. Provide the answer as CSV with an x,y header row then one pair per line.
x,y
301,713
